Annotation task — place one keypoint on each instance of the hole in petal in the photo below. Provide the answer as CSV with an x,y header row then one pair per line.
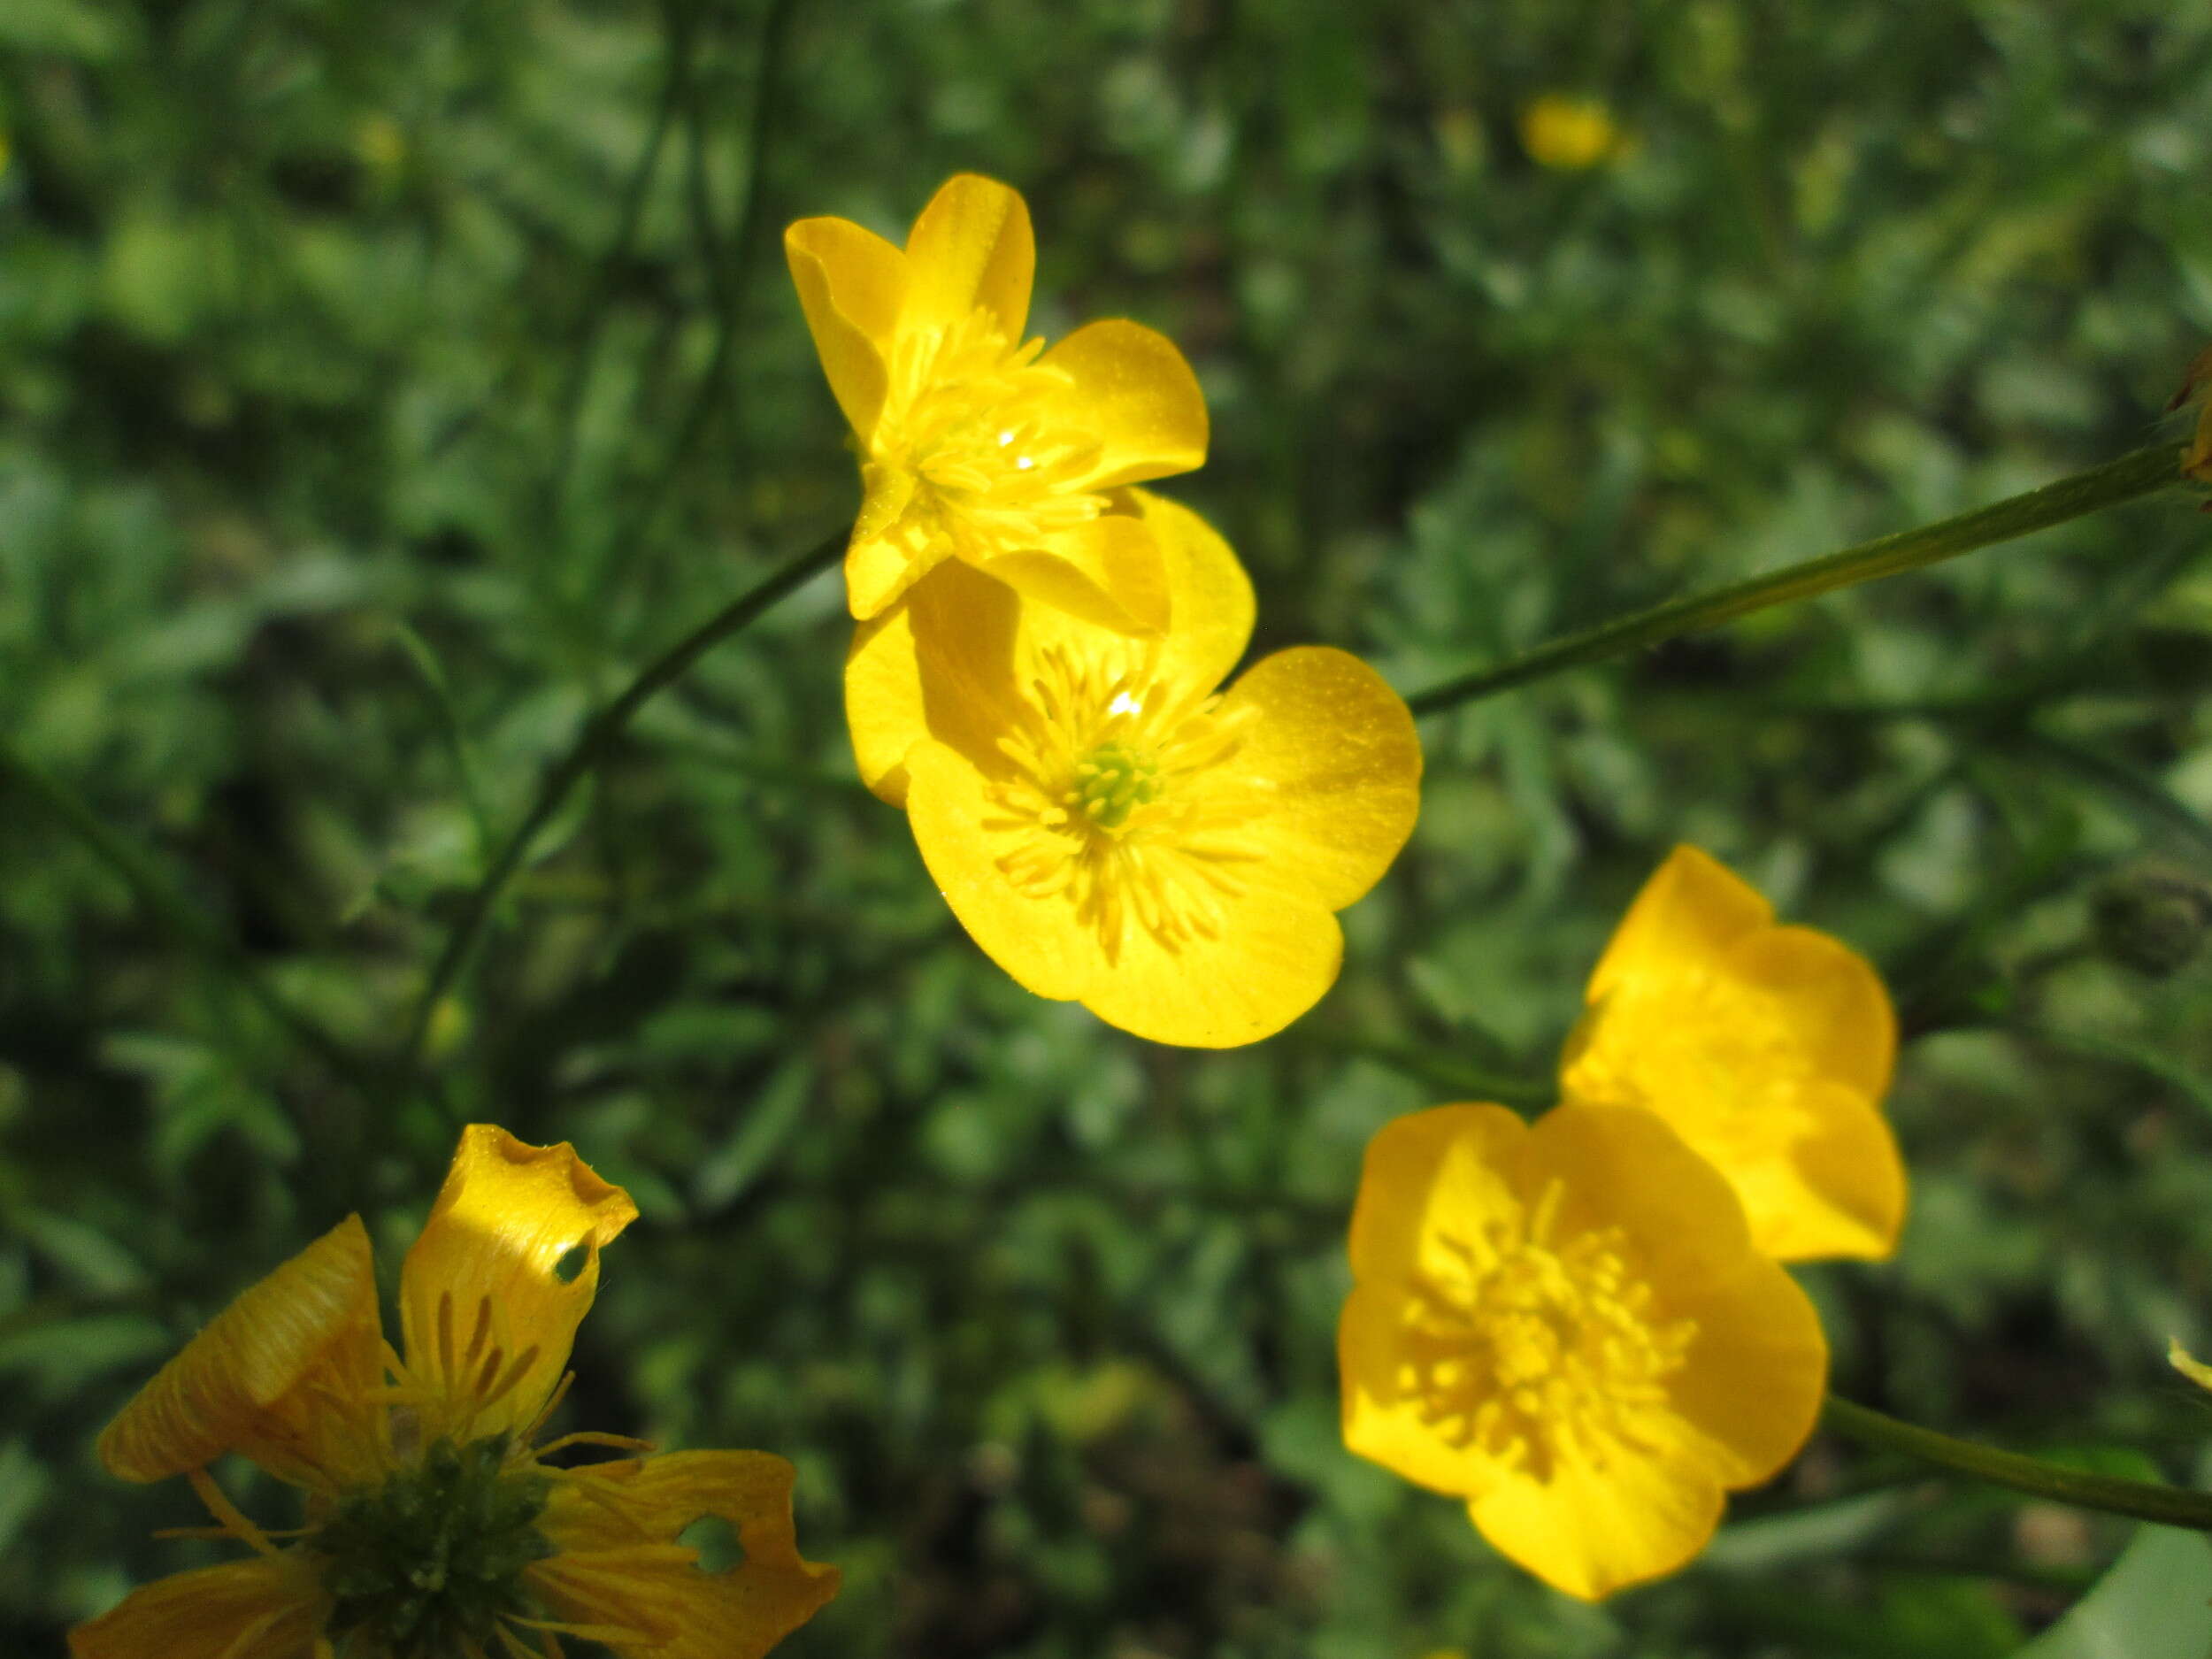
x,y
716,1542
572,1262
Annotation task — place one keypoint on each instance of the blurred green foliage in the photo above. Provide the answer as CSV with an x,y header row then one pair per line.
x,y
381,385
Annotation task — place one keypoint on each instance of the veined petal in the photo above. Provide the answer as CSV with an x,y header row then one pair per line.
x,y
1038,940
1107,571
852,285
942,663
971,248
1269,960
263,1608
599,1516
1427,1177
1594,1528
270,1377
1334,768
487,1317
1135,390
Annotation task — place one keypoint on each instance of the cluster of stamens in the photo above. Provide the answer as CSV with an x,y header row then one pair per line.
x,y
1531,1348
1115,798
970,452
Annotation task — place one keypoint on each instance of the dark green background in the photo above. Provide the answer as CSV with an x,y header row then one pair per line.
x,y
381,385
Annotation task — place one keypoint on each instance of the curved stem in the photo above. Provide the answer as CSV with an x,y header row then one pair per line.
x,y
2141,472
590,748
2169,1506
175,912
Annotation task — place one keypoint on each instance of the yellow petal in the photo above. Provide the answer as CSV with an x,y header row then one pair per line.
x,y
1136,393
265,1607
1692,908
882,562
1624,1168
1428,1176
1107,571
852,285
962,624
261,1377
1036,939
1386,1422
488,1314
971,248
1209,596
1835,1188
1333,761
1831,1000
1271,960
1594,1528
598,1518
1751,1384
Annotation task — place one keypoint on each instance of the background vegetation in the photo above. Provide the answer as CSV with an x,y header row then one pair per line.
x,y
381,385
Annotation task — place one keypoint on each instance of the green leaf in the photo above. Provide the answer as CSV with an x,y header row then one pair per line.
x,y
2154,1603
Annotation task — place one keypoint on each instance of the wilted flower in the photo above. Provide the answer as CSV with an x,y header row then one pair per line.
x,y
974,443
1569,1326
1767,1048
1110,827
434,1526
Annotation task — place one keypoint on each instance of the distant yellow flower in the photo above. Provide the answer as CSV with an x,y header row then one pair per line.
x,y
433,1528
972,444
1111,828
1570,132
1569,1326
1767,1049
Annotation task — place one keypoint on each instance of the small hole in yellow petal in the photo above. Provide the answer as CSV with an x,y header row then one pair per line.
x,y
572,1262
716,1542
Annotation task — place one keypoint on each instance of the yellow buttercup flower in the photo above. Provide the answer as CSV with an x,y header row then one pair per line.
x,y
1569,133
434,1526
1569,1326
1112,828
1767,1048
975,443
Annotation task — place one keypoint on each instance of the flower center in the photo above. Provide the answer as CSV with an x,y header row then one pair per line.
x,y
971,448
1117,797
1112,782
430,1562
1533,1349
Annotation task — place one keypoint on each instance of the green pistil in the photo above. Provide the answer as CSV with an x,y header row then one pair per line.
x,y
1111,782
427,1565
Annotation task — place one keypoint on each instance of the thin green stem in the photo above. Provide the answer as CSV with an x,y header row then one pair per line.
x,y
182,917
2168,1506
2141,472
591,747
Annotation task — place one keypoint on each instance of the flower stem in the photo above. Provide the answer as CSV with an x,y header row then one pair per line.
x,y
591,747
154,891
2140,472
2169,1506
